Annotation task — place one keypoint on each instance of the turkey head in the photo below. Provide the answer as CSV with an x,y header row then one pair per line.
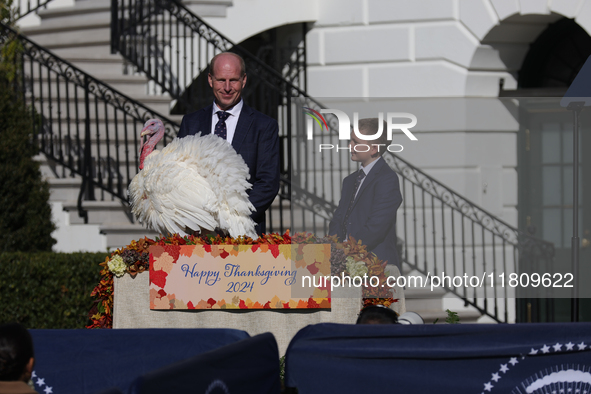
x,y
153,131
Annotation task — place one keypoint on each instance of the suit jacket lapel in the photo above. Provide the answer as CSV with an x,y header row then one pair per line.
x,y
370,178
206,120
242,127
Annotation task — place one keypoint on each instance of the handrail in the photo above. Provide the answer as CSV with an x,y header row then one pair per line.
x,y
86,126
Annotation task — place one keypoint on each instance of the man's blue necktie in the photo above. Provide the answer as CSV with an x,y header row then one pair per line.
x,y
220,128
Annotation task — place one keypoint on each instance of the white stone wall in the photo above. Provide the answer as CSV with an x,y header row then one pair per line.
x,y
438,48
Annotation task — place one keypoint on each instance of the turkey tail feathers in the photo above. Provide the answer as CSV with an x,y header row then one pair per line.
x,y
194,183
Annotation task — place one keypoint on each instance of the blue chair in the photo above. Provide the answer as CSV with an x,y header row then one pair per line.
x,y
248,366
87,361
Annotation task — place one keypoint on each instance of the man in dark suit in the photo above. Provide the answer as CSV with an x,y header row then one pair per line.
x,y
253,135
370,197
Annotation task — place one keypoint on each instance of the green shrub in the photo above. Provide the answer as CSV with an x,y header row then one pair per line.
x,y
25,214
48,290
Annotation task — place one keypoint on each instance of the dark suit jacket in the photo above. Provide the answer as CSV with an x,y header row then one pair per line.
x,y
373,218
257,140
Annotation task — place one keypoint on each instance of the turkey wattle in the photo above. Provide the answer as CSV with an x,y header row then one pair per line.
x,y
195,183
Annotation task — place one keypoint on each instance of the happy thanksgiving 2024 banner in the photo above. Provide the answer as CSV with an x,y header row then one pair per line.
x,y
238,276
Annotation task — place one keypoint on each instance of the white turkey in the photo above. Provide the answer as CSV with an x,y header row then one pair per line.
x,y
195,183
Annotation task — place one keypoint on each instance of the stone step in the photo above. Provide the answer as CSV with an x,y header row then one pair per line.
x,y
98,52
207,8
64,189
110,67
91,36
83,16
129,85
100,212
121,234
75,238
79,8
158,104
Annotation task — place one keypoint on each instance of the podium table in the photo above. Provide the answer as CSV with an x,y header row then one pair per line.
x,y
131,309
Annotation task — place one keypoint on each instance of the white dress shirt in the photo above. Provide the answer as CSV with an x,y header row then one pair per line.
x,y
231,122
365,169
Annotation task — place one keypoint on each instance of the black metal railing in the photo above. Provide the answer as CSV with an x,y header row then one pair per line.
x,y
82,124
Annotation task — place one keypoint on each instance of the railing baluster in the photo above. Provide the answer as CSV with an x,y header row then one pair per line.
x,y
424,215
415,226
86,187
484,264
42,107
108,144
433,224
443,237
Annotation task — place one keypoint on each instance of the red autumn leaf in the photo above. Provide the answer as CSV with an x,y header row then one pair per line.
x,y
312,303
254,248
173,251
286,305
211,302
158,278
161,293
224,254
156,251
190,305
242,305
313,268
274,250
267,305
207,248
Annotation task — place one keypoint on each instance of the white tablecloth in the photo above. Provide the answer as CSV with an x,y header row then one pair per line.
x,y
132,310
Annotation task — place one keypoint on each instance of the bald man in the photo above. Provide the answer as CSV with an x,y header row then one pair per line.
x,y
253,135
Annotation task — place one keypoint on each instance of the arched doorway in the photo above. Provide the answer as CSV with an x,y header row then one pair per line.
x,y
545,157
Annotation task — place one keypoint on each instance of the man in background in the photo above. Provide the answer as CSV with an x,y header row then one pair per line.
x,y
370,197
